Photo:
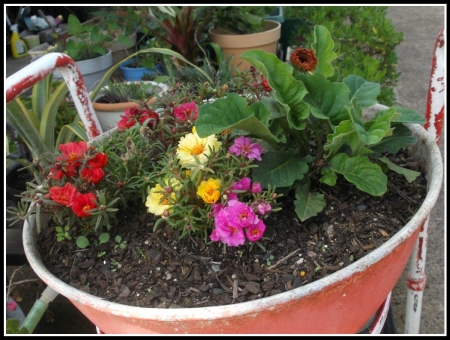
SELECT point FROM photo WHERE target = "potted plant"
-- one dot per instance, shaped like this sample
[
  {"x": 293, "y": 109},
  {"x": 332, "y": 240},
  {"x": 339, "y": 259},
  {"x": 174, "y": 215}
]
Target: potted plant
[
  {"x": 86, "y": 47},
  {"x": 179, "y": 28},
  {"x": 119, "y": 22},
  {"x": 116, "y": 98},
  {"x": 240, "y": 28},
  {"x": 142, "y": 65},
  {"x": 206, "y": 242}
]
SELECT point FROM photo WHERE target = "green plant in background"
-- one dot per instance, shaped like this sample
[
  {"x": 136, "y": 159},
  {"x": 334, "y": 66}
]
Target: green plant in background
[
  {"x": 87, "y": 41},
  {"x": 179, "y": 28},
  {"x": 35, "y": 119},
  {"x": 367, "y": 41},
  {"x": 237, "y": 19},
  {"x": 122, "y": 92}
]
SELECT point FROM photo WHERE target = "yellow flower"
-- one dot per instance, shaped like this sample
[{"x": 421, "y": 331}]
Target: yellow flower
[
  {"x": 192, "y": 144},
  {"x": 153, "y": 202},
  {"x": 209, "y": 190}
]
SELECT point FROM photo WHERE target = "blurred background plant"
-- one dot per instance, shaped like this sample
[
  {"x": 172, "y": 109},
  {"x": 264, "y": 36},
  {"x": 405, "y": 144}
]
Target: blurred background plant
[{"x": 365, "y": 41}]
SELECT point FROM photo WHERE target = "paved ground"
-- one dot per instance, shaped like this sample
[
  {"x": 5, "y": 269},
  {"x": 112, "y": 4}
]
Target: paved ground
[{"x": 420, "y": 25}]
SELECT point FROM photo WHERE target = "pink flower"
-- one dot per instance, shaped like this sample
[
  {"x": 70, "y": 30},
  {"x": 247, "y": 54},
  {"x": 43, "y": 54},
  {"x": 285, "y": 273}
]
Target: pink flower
[
  {"x": 11, "y": 305},
  {"x": 186, "y": 111},
  {"x": 261, "y": 207},
  {"x": 254, "y": 232},
  {"x": 243, "y": 184},
  {"x": 244, "y": 146},
  {"x": 256, "y": 188},
  {"x": 228, "y": 234},
  {"x": 215, "y": 236},
  {"x": 240, "y": 215}
]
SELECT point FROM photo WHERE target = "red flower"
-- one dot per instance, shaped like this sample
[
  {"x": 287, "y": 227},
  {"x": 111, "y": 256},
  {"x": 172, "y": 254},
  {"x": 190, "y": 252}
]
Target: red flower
[
  {"x": 134, "y": 114},
  {"x": 93, "y": 175},
  {"x": 153, "y": 116},
  {"x": 99, "y": 160},
  {"x": 73, "y": 151},
  {"x": 186, "y": 111},
  {"x": 63, "y": 195},
  {"x": 82, "y": 203}
]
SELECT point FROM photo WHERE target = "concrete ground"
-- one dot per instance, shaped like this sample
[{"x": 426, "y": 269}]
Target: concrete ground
[{"x": 420, "y": 26}]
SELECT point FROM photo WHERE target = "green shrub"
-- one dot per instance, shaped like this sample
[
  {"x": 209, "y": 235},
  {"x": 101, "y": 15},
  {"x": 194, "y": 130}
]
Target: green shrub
[{"x": 366, "y": 40}]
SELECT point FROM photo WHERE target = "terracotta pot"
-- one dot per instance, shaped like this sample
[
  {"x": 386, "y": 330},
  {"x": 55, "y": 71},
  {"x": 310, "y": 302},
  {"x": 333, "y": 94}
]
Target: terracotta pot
[
  {"x": 236, "y": 44},
  {"x": 341, "y": 303},
  {"x": 110, "y": 114}
]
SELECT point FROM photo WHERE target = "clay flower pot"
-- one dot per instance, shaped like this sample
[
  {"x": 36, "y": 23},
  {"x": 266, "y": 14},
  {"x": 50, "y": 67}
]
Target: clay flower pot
[
  {"x": 236, "y": 44},
  {"x": 110, "y": 114}
]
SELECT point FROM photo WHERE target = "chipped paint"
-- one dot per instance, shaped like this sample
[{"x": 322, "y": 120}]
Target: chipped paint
[
  {"x": 44, "y": 66},
  {"x": 436, "y": 93}
]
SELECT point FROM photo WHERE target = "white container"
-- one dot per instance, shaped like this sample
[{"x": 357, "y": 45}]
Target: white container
[{"x": 92, "y": 70}]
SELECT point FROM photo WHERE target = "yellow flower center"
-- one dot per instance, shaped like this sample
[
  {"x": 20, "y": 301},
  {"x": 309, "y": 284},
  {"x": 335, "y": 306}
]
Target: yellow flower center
[{"x": 197, "y": 150}]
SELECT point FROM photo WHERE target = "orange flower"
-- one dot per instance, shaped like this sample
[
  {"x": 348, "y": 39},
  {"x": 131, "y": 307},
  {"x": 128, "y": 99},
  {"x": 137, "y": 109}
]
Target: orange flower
[{"x": 304, "y": 59}]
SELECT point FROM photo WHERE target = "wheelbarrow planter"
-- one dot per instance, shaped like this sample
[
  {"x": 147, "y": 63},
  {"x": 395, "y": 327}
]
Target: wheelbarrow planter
[{"x": 341, "y": 303}]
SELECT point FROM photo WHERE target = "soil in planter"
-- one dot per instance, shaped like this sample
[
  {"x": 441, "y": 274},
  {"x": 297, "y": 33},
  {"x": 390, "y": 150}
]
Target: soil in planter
[{"x": 157, "y": 269}]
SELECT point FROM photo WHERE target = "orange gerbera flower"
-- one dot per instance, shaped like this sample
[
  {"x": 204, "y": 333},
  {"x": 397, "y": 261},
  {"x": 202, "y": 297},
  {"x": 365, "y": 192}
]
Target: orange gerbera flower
[{"x": 304, "y": 59}]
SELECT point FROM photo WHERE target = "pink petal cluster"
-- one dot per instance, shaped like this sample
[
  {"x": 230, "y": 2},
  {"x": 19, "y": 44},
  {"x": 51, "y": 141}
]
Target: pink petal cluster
[
  {"x": 186, "y": 111},
  {"x": 243, "y": 146},
  {"x": 237, "y": 221}
]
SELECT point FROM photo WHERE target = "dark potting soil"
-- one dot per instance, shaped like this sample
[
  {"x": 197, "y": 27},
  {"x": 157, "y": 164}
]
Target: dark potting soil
[{"x": 157, "y": 269}]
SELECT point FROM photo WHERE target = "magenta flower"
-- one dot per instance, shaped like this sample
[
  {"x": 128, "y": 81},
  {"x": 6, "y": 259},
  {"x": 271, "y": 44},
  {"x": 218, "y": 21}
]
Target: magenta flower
[
  {"x": 215, "y": 236},
  {"x": 243, "y": 184},
  {"x": 254, "y": 232},
  {"x": 186, "y": 111},
  {"x": 244, "y": 146},
  {"x": 227, "y": 233},
  {"x": 256, "y": 188},
  {"x": 240, "y": 215}
]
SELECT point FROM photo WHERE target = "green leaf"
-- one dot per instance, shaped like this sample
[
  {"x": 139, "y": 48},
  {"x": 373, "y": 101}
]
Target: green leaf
[
  {"x": 103, "y": 238},
  {"x": 288, "y": 91},
  {"x": 329, "y": 177},
  {"x": 340, "y": 137},
  {"x": 82, "y": 242},
  {"x": 366, "y": 92},
  {"x": 401, "y": 137},
  {"x": 323, "y": 47},
  {"x": 58, "y": 229},
  {"x": 326, "y": 99},
  {"x": 280, "y": 169},
  {"x": 409, "y": 116},
  {"x": 410, "y": 175},
  {"x": 380, "y": 126},
  {"x": 360, "y": 171},
  {"x": 118, "y": 238},
  {"x": 308, "y": 204},
  {"x": 233, "y": 112}
]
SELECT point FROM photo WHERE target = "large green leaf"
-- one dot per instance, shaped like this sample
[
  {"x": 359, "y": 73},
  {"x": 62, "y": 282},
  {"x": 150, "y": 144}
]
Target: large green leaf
[
  {"x": 359, "y": 170},
  {"x": 233, "y": 112},
  {"x": 280, "y": 169},
  {"x": 409, "y": 116},
  {"x": 366, "y": 92},
  {"x": 288, "y": 91},
  {"x": 326, "y": 99},
  {"x": 323, "y": 47},
  {"x": 401, "y": 137}
]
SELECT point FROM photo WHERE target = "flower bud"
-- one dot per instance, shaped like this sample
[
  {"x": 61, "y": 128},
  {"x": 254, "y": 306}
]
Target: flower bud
[
  {"x": 166, "y": 213},
  {"x": 274, "y": 195}
]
